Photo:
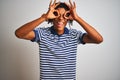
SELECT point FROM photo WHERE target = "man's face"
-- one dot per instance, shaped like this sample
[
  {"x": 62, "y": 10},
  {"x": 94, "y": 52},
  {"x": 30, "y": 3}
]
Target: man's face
[{"x": 60, "y": 22}]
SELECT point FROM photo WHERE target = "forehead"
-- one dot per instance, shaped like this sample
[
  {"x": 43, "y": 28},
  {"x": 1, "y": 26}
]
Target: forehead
[{"x": 61, "y": 10}]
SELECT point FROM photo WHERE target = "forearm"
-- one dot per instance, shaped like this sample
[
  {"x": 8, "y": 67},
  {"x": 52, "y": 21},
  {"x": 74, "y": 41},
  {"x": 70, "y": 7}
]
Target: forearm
[
  {"x": 91, "y": 32},
  {"x": 28, "y": 27}
]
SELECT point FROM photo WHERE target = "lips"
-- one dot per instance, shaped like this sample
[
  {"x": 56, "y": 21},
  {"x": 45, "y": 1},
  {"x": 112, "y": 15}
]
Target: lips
[{"x": 60, "y": 23}]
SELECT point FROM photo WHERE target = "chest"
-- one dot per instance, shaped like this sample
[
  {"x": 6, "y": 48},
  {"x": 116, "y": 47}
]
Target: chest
[{"x": 58, "y": 41}]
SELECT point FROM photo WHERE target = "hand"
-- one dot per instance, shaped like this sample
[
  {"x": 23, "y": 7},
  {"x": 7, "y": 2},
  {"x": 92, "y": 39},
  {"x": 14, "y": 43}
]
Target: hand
[
  {"x": 71, "y": 14},
  {"x": 52, "y": 13}
]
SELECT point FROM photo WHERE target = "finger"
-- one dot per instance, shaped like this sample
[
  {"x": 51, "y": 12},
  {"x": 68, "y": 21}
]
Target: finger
[
  {"x": 67, "y": 4},
  {"x": 50, "y": 3},
  {"x": 70, "y": 17},
  {"x": 70, "y": 3},
  {"x": 67, "y": 14},
  {"x": 74, "y": 4},
  {"x": 57, "y": 4},
  {"x": 54, "y": 2},
  {"x": 56, "y": 13}
]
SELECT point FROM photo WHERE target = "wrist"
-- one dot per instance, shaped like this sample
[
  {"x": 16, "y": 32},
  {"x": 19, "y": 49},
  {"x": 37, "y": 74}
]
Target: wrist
[
  {"x": 76, "y": 18},
  {"x": 44, "y": 17}
]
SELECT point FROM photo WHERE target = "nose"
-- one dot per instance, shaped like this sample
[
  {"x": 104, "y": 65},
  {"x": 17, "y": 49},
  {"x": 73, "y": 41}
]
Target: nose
[{"x": 61, "y": 17}]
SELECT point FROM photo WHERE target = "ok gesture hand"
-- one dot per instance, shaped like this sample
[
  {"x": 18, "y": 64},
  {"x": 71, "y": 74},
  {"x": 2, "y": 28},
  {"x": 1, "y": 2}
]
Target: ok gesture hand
[
  {"x": 52, "y": 13},
  {"x": 71, "y": 14}
]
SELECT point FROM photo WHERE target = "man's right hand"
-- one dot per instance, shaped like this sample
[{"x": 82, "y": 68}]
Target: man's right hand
[{"x": 52, "y": 13}]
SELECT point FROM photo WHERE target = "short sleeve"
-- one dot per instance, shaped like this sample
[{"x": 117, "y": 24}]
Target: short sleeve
[
  {"x": 80, "y": 37},
  {"x": 37, "y": 38}
]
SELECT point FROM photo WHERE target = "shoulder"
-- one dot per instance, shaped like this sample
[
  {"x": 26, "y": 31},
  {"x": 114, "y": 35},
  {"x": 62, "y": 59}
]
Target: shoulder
[
  {"x": 74, "y": 31},
  {"x": 43, "y": 28},
  {"x": 44, "y": 31}
]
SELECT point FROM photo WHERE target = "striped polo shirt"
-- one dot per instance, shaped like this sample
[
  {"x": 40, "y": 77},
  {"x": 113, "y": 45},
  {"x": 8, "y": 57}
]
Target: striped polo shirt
[{"x": 57, "y": 53}]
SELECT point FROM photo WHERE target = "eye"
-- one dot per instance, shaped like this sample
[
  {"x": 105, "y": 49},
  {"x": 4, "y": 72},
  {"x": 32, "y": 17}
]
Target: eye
[
  {"x": 55, "y": 13},
  {"x": 67, "y": 15}
]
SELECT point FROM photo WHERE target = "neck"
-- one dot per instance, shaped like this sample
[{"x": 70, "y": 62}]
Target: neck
[{"x": 59, "y": 32}]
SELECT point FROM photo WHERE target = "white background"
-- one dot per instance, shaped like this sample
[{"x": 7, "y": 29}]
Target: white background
[{"x": 19, "y": 59}]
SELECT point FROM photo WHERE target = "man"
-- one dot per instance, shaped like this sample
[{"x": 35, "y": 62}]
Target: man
[{"x": 58, "y": 44}]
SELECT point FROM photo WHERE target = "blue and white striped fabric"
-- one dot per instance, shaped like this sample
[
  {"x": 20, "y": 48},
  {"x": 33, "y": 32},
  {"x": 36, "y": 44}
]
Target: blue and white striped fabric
[{"x": 58, "y": 53}]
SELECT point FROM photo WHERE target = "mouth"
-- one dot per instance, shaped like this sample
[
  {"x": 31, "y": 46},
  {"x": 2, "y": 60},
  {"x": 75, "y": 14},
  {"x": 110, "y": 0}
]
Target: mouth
[{"x": 59, "y": 24}]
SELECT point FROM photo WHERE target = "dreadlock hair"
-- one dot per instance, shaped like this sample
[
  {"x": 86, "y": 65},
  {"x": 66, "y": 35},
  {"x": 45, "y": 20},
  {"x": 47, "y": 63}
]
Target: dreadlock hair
[{"x": 62, "y": 5}]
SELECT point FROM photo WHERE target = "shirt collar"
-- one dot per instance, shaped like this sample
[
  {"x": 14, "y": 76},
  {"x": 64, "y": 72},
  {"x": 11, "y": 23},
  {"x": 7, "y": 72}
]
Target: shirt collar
[{"x": 66, "y": 31}]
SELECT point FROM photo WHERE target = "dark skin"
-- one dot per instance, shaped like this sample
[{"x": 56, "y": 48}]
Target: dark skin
[{"x": 59, "y": 22}]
